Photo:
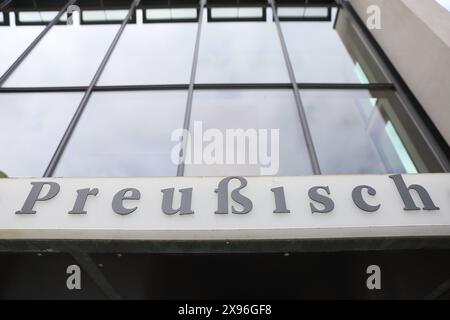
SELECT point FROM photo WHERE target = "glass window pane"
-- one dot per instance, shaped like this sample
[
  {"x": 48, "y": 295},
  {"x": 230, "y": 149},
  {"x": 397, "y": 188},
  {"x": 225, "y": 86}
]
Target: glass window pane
[
  {"x": 241, "y": 52},
  {"x": 291, "y": 12},
  {"x": 2, "y": 18},
  {"x": 15, "y": 39},
  {"x": 316, "y": 12},
  {"x": 158, "y": 14},
  {"x": 32, "y": 127},
  {"x": 155, "y": 15},
  {"x": 116, "y": 15},
  {"x": 159, "y": 53},
  {"x": 250, "y": 12},
  {"x": 321, "y": 53},
  {"x": 259, "y": 113},
  {"x": 104, "y": 15},
  {"x": 125, "y": 134},
  {"x": 39, "y": 16},
  {"x": 66, "y": 56},
  {"x": 188, "y": 13},
  {"x": 94, "y": 15},
  {"x": 224, "y": 12},
  {"x": 363, "y": 132},
  {"x": 236, "y": 13}
]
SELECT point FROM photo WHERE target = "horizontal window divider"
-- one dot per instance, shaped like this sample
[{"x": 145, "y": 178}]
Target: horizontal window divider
[
  {"x": 41, "y": 89},
  {"x": 207, "y": 86},
  {"x": 347, "y": 86},
  {"x": 325, "y": 86}
]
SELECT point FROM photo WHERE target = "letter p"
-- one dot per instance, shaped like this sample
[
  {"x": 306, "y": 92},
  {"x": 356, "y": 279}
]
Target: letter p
[{"x": 35, "y": 195}]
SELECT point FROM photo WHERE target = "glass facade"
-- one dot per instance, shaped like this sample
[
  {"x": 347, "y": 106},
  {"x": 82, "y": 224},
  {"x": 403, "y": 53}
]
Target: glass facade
[
  {"x": 125, "y": 134},
  {"x": 302, "y": 81}
]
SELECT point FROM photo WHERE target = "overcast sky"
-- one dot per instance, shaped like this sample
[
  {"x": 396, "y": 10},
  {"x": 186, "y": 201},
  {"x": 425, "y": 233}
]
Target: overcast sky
[{"x": 445, "y": 3}]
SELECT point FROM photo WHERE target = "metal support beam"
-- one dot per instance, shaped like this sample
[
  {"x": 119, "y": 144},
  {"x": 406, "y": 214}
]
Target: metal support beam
[
  {"x": 27, "y": 51},
  {"x": 187, "y": 114},
  {"x": 442, "y": 289},
  {"x": 73, "y": 123},
  {"x": 300, "y": 108},
  {"x": 89, "y": 266}
]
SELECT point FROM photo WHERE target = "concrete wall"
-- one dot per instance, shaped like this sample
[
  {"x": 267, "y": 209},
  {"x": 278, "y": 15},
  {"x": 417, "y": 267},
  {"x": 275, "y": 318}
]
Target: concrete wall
[{"x": 415, "y": 34}]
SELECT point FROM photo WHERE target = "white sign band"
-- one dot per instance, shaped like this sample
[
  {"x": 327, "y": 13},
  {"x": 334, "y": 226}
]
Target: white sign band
[{"x": 215, "y": 208}]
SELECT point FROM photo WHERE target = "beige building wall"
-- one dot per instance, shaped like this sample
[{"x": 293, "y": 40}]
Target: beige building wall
[{"x": 415, "y": 35}]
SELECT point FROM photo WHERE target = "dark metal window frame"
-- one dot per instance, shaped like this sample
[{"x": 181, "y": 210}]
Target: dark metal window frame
[{"x": 5, "y": 18}]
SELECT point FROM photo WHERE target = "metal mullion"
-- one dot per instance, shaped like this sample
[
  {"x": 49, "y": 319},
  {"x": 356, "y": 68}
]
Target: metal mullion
[
  {"x": 76, "y": 117},
  {"x": 187, "y": 115},
  {"x": 300, "y": 108}
]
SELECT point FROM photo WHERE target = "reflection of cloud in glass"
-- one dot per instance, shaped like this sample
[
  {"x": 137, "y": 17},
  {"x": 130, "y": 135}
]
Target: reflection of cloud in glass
[
  {"x": 159, "y": 53},
  {"x": 32, "y": 126},
  {"x": 14, "y": 40},
  {"x": 241, "y": 52},
  {"x": 125, "y": 134},
  {"x": 252, "y": 109},
  {"x": 66, "y": 56},
  {"x": 349, "y": 133}
]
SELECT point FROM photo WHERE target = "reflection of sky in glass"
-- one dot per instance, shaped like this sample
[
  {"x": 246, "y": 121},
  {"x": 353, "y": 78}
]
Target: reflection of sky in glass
[
  {"x": 125, "y": 134},
  {"x": 400, "y": 148},
  {"x": 318, "y": 53},
  {"x": 444, "y": 3},
  {"x": 32, "y": 126},
  {"x": 240, "y": 52},
  {"x": 252, "y": 109},
  {"x": 66, "y": 56},
  {"x": 351, "y": 135},
  {"x": 14, "y": 41},
  {"x": 159, "y": 53}
]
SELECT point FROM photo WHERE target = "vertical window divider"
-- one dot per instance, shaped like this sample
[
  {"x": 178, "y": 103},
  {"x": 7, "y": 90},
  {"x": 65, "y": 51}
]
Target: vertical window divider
[
  {"x": 298, "y": 101},
  {"x": 33, "y": 44},
  {"x": 187, "y": 115},
  {"x": 76, "y": 117}
]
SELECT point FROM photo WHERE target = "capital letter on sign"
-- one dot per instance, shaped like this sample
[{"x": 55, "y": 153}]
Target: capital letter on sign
[{"x": 34, "y": 194}]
